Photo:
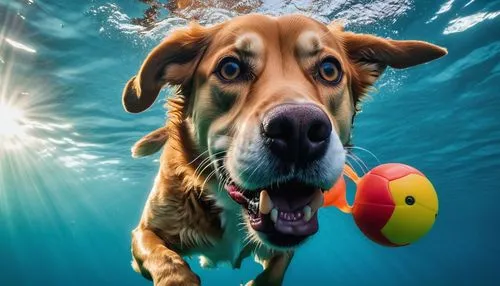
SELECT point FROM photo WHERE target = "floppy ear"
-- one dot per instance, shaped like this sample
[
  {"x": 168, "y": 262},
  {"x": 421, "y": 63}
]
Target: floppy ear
[
  {"x": 371, "y": 55},
  {"x": 150, "y": 143},
  {"x": 173, "y": 61}
]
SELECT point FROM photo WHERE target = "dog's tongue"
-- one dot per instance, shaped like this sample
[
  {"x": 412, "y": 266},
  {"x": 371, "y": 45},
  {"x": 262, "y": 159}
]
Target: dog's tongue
[
  {"x": 291, "y": 209},
  {"x": 298, "y": 228},
  {"x": 291, "y": 202}
]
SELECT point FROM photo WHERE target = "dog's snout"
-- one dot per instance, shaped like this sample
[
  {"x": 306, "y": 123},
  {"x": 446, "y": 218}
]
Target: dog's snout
[{"x": 297, "y": 133}]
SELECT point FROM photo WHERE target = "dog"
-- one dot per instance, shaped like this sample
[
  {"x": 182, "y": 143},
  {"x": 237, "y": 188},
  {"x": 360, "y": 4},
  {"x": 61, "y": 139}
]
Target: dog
[{"x": 256, "y": 132}]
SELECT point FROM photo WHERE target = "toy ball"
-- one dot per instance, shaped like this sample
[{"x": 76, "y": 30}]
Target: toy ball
[{"x": 395, "y": 204}]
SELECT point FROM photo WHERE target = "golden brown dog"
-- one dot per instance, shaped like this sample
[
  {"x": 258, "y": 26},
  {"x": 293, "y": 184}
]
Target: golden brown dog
[{"x": 256, "y": 132}]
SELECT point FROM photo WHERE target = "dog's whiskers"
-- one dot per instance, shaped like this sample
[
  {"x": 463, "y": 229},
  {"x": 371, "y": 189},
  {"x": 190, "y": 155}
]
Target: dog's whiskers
[
  {"x": 197, "y": 157},
  {"x": 206, "y": 179},
  {"x": 362, "y": 149},
  {"x": 226, "y": 180},
  {"x": 361, "y": 166},
  {"x": 210, "y": 174},
  {"x": 349, "y": 164},
  {"x": 360, "y": 161},
  {"x": 224, "y": 177},
  {"x": 255, "y": 169},
  {"x": 214, "y": 172},
  {"x": 204, "y": 164}
]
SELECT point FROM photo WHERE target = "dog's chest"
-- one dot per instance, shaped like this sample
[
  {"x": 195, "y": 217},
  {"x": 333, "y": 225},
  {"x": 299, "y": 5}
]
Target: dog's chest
[{"x": 231, "y": 246}]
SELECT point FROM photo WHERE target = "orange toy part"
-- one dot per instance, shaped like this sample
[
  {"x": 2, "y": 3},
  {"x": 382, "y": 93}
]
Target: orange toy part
[{"x": 336, "y": 196}]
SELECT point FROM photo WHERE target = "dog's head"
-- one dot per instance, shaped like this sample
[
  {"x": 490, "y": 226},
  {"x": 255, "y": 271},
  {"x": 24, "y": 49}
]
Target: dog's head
[{"x": 271, "y": 101}]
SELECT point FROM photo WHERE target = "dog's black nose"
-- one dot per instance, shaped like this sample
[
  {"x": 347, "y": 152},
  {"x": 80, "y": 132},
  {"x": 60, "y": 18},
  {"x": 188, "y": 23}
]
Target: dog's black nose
[{"x": 297, "y": 133}]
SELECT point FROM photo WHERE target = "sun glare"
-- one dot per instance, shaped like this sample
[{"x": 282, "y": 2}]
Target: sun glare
[{"x": 11, "y": 121}]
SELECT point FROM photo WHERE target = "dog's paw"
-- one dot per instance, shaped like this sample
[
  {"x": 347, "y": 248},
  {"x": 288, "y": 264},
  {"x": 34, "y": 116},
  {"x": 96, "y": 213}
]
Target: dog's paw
[
  {"x": 179, "y": 279},
  {"x": 263, "y": 281},
  {"x": 176, "y": 275},
  {"x": 255, "y": 283}
]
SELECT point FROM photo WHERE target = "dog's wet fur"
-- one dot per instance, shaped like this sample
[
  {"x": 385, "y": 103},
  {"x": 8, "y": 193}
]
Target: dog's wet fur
[{"x": 262, "y": 113}]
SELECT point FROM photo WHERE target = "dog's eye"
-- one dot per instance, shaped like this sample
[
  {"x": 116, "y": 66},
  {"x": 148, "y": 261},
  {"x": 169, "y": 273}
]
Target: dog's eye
[
  {"x": 229, "y": 69},
  {"x": 329, "y": 70}
]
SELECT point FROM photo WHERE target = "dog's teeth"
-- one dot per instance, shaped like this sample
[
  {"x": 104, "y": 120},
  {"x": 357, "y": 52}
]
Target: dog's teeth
[
  {"x": 253, "y": 205},
  {"x": 317, "y": 201},
  {"x": 274, "y": 215},
  {"x": 307, "y": 213},
  {"x": 265, "y": 203}
]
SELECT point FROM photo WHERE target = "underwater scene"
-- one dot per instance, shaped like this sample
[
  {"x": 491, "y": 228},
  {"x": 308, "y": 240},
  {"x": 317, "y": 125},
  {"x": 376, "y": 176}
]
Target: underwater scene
[{"x": 71, "y": 193}]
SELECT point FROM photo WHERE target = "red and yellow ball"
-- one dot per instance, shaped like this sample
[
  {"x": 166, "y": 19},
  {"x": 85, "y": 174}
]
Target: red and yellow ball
[{"x": 395, "y": 204}]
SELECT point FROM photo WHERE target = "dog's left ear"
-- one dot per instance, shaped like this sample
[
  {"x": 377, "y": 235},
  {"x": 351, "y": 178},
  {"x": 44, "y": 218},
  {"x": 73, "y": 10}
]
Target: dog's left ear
[
  {"x": 371, "y": 55},
  {"x": 173, "y": 61},
  {"x": 151, "y": 143}
]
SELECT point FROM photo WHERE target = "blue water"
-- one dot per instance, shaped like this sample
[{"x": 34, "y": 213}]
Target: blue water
[{"x": 70, "y": 193}]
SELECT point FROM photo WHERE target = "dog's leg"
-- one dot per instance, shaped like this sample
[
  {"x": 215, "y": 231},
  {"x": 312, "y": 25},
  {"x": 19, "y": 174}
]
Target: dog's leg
[
  {"x": 274, "y": 270},
  {"x": 155, "y": 261}
]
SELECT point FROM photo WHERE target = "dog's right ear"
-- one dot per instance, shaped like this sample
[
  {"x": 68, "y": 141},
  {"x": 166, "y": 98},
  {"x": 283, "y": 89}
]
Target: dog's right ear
[
  {"x": 150, "y": 143},
  {"x": 173, "y": 61}
]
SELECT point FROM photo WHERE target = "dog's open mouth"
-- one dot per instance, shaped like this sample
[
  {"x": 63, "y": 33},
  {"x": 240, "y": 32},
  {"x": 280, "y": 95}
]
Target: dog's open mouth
[{"x": 286, "y": 213}]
